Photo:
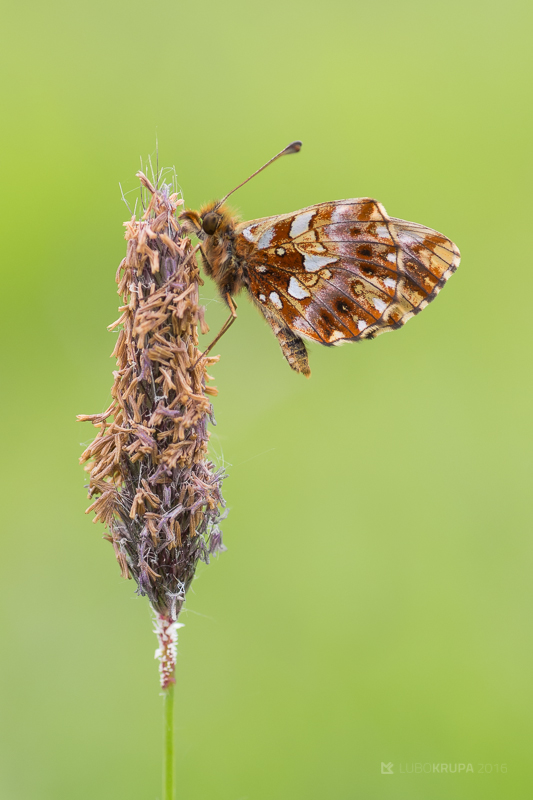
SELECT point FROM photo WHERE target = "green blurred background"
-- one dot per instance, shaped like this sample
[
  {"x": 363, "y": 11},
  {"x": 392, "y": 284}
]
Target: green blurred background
[{"x": 374, "y": 603}]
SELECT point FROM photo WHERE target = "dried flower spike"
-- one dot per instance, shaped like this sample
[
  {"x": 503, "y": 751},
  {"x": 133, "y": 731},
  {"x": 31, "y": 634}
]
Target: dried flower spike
[{"x": 153, "y": 484}]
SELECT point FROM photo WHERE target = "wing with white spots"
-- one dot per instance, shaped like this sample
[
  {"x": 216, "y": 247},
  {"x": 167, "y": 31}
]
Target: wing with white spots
[{"x": 343, "y": 271}]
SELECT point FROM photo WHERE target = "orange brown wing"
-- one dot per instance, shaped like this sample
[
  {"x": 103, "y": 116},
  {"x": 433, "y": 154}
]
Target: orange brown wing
[{"x": 345, "y": 270}]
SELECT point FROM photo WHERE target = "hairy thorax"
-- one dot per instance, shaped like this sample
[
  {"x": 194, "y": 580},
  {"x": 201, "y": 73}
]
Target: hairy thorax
[{"x": 218, "y": 254}]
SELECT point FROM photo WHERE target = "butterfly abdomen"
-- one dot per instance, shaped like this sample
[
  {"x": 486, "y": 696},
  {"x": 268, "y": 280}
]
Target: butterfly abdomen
[
  {"x": 294, "y": 351},
  {"x": 292, "y": 346}
]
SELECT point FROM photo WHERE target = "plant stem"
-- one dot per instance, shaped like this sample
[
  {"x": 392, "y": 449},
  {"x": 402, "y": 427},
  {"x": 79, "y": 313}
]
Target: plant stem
[
  {"x": 167, "y": 636},
  {"x": 168, "y": 744}
]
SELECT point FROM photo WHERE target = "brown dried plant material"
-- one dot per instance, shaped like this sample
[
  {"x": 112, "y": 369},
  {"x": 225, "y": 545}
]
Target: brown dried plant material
[{"x": 153, "y": 484}]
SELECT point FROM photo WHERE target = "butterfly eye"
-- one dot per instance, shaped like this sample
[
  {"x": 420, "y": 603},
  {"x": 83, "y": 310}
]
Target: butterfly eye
[{"x": 210, "y": 223}]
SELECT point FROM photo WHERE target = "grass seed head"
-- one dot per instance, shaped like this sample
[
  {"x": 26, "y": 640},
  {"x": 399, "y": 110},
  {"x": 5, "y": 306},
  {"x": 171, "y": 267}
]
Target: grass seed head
[{"x": 151, "y": 480}]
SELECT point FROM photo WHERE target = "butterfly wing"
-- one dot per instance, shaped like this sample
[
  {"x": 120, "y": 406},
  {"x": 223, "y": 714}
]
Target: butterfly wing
[{"x": 345, "y": 270}]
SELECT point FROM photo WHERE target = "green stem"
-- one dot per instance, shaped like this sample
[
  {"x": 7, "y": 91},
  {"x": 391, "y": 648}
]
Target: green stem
[{"x": 168, "y": 744}]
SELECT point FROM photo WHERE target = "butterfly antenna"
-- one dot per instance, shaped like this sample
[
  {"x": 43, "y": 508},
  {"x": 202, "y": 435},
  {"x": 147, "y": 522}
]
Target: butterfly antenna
[{"x": 293, "y": 147}]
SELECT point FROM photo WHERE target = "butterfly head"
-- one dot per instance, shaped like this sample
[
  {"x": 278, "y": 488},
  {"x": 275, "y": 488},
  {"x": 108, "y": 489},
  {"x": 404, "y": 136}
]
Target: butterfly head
[
  {"x": 213, "y": 220},
  {"x": 210, "y": 222}
]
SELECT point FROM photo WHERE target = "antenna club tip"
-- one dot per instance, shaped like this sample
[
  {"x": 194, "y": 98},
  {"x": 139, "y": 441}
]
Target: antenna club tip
[{"x": 293, "y": 147}]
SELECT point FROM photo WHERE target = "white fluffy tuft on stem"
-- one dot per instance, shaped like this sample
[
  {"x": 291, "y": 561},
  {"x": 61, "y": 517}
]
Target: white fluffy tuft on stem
[{"x": 167, "y": 636}]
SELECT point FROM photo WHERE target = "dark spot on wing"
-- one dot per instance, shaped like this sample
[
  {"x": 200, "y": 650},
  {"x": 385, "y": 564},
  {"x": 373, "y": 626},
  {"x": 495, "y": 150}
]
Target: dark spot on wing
[{"x": 342, "y": 306}]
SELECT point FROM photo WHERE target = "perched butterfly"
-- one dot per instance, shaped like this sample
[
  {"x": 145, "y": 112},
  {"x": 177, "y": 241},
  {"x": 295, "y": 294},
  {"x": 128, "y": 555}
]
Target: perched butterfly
[{"x": 331, "y": 273}]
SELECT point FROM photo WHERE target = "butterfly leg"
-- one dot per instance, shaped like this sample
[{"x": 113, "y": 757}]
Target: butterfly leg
[{"x": 227, "y": 325}]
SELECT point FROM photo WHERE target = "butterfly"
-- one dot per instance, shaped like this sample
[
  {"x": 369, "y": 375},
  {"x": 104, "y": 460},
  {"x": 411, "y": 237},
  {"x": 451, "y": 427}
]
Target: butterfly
[{"x": 335, "y": 272}]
